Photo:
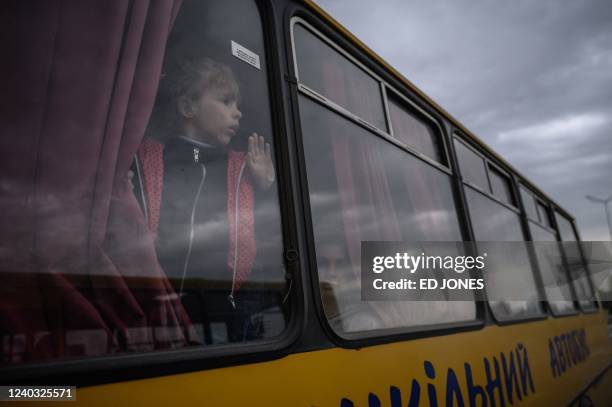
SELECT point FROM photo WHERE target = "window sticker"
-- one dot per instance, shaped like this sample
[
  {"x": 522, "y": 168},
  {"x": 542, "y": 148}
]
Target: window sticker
[{"x": 245, "y": 55}]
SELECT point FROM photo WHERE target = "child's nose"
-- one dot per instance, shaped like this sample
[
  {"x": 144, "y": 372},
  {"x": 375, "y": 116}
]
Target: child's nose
[{"x": 237, "y": 113}]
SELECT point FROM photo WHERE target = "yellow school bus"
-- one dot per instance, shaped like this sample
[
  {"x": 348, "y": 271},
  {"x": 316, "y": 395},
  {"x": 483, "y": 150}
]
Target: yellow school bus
[{"x": 185, "y": 188}]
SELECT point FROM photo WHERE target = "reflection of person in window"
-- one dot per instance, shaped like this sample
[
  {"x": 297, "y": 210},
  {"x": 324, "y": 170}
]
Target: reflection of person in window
[{"x": 206, "y": 222}]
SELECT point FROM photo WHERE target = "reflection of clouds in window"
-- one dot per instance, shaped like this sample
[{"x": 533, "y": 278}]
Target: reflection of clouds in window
[
  {"x": 510, "y": 277},
  {"x": 428, "y": 221},
  {"x": 363, "y": 188},
  {"x": 552, "y": 268}
]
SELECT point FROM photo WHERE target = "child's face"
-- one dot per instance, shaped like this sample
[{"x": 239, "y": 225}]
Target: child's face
[{"x": 216, "y": 115}]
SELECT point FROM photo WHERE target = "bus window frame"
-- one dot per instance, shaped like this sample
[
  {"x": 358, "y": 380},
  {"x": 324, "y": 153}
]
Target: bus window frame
[
  {"x": 460, "y": 139},
  {"x": 301, "y": 15},
  {"x": 349, "y": 58},
  {"x": 422, "y": 116},
  {"x": 544, "y": 307},
  {"x": 114, "y": 368},
  {"x": 383, "y": 85},
  {"x": 574, "y": 300},
  {"x": 557, "y": 211},
  {"x": 493, "y": 167},
  {"x": 539, "y": 200}
]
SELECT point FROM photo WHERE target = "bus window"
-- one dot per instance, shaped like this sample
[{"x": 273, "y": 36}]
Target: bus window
[
  {"x": 578, "y": 272},
  {"x": 411, "y": 130},
  {"x": 328, "y": 72},
  {"x": 543, "y": 214},
  {"x": 218, "y": 234},
  {"x": 139, "y": 235},
  {"x": 552, "y": 269},
  {"x": 364, "y": 188},
  {"x": 472, "y": 166},
  {"x": 500, "y": 184},
  {"x": 494, "y": 222},
  {"x": 529, "y": 203}
]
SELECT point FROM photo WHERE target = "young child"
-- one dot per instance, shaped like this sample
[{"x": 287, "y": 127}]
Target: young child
[{"x": 206, "y": 227}]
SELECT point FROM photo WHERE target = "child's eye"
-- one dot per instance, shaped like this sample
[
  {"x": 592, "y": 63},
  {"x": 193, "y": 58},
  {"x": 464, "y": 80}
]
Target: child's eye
[{"x": 229, "y": 100}]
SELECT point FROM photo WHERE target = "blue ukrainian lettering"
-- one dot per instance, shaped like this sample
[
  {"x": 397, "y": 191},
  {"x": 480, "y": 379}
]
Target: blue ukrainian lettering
[
  {"x": 453, "y": 391},
  {"x": 346, "y": 403},
  {"x": 479, "y": 395},
  {"x": 567, "y": 350},
  {"x": 554, "y": 361},
  {"x": 373, "y": 400},
  {"x": 560, "y": 355},
  {"x": 523, "y": 367},
  {"x": 431, "y": 389},
  {"x": 396, "y": 396},
  {"x": 474, "y": 391},
  {"x": 510, "y": 378},
  {"x": 493, "y": 384},
  {"x": 415, "y": 394},
  {"x": 572, "y": 349}
]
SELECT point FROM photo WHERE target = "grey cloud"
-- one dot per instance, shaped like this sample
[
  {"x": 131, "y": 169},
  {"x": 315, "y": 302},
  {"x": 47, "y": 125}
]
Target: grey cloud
[{"x": 532, "y": 79}]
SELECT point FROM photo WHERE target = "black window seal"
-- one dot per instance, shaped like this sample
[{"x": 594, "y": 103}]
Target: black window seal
[{"x": 424, "y": 331}]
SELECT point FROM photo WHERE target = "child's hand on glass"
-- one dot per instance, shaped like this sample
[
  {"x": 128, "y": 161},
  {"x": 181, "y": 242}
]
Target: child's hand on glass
[{"x": 259, "y": 161}]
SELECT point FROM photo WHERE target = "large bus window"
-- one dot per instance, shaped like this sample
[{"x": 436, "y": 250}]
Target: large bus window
[
  {"x": 552, "y": 269},
  {"x": 472, "y": 166},
  {"x": 331, "y": 74},
  {"x": 146, "y": 234},
  {"x": 578, "y": 271},
  {"x": 494, "y": 222},
  {"x": 411, "y": 130},
  {"x": 364, "y": 188}
]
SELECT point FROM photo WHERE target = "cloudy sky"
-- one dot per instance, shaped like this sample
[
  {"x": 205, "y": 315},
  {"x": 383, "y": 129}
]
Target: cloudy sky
[{"x": 533, "y": 79}]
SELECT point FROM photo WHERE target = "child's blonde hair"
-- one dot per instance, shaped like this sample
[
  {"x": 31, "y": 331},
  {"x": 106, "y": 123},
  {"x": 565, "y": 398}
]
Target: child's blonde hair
[
  {"x": 187, "y": 79},
  {"x": 193, "y": 78}
]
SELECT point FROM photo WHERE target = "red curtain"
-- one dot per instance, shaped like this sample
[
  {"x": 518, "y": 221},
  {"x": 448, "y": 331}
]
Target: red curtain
[{"x": 79, "y": 270}]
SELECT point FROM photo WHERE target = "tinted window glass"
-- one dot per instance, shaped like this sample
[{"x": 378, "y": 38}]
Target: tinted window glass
[
  {"x": 364, "y": 188},
  {"x": 325, "y": 70},
  {"x": 529, "y": 203},
  {"x": 496, "y": 223},
  {"x": 544, "y": 214},
  {"x": 553, "y": 271},
  {"x": 219, "y": 236},
  {"x": 413, "y": 131},
  {"x": 178, "y": 247},
  {"x": 578, "y": 272},
  {"x": 472, "y": 166},
  {"x": 501, "y": 186}
]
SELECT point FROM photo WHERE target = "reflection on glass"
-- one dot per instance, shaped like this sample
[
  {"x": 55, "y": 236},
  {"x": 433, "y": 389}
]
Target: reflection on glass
[
  {"x": 325, "y": 70},
  {"x": 496, "y": 223},
  {"x": 578, "y": 272},
  {"x": 529, "y": 203},
  {"x": 413, "y": 131},
  {"x": 552, "y": 270},
  {"x": 364, "y": 188},
  {"x": 127, "y": 258},
  {"x": 544, "y": 214},
  {"x": 501, "y": 186},
  {"x": 472, "y": 166}
]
